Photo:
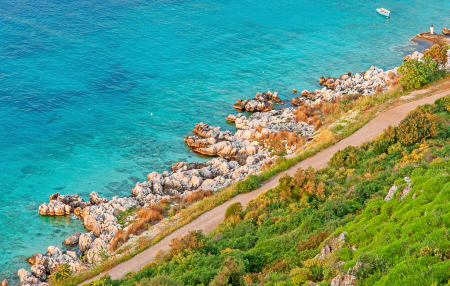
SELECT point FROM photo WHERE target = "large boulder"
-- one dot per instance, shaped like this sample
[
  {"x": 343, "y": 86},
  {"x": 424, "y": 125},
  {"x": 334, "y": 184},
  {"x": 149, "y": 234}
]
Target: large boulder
[
  {"x": 95, "y": 199},
  {"x": 73, "y": 239},
  {"x": 27, "y": 278},
  {"x": 445, "y": 31},
  {"x": 85, "y": 241}
]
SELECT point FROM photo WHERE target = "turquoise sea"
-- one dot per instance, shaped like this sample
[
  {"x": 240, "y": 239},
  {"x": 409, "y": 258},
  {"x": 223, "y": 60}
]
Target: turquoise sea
[{"x": 184, "y": 61}]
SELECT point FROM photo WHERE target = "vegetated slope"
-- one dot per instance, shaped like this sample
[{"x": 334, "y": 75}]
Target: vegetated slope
[{"x": 276, "y": 239}]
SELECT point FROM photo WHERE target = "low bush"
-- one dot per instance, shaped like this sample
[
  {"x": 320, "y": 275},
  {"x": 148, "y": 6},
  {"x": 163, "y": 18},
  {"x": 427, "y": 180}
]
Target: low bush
[
  {"x": 159, "y": 280},
  {"x": 248, "y": 185},
  {"x": 233, "y": 210},
  {"x": 231, "y": 274},
  {"x": 192, "y": 240},
  {"x": 62, "y": 273}
]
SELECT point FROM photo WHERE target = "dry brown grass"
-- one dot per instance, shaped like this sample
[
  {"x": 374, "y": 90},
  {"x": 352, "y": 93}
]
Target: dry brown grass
[
  {"x": 317, "y": 105},
  {"x": 301, "y": 116},
  {"x": 391, "y": 75},
  {"x": 198, "y": 195},
  {"x": 326, "y": 135},
  {"x": 120, "y": 237},
  {"x": 317, "y": 125},
  {"x": 263, "y": 137},
  {"x": 292, "y": 139},
  {"x": 329, "y": 107},
  {"x": 378, "y": 89},
  {"x": 259, "y": 128},
  {"x": 163, "y": 201}
]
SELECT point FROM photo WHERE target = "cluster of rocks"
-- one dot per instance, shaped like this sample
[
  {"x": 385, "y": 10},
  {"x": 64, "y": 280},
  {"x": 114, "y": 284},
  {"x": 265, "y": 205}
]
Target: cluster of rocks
[
  {"x": 348, "y": 278},
  {"x": 212, "y": 141},
  {"x": 46, "y": 264},
  {"x": 414, "y": 56},
  {"x": 261, "y": 102},
  {"x": 366, "y": 83},
  {"x": 99, "y": 218},
  {"x": 445, "y": 31},
  {"x": 269, "y": 122},
  {"x": 212, "y": 175}
]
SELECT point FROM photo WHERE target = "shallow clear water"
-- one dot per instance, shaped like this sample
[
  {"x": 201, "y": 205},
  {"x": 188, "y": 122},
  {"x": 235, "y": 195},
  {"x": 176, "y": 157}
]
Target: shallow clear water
[{"x": 183, "y": 61}]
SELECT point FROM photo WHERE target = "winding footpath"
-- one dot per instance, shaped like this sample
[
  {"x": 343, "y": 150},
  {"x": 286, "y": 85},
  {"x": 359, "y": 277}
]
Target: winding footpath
[{"x": 209, "y": 220}]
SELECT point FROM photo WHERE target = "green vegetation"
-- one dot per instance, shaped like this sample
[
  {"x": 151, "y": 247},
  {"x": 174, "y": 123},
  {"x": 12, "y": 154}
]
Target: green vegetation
[
  {"x": 418, "y": 73},
  {"x": 61, "y": 274},
  {"x": 121, "y": 218},
  {"x": 233, "y": 210},
  {"x": 366, "y": 109},
  {"x": 275, "y": 240}
]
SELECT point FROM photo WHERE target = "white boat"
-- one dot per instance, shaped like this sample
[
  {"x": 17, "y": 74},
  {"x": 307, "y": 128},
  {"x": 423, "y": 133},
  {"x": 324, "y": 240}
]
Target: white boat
[{"x": 383, "y": 12}]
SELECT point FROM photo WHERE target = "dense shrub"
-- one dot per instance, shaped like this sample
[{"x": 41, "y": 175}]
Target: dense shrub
[
  {"x": 193, "y": 240},
  {"x": 416, "y": 127},
  {"x": 160, "y": 280},
  {"x": 231, "y": 274},
  {"x": 248, "y": 185},
  {"x": 443, "y": 103},
  {"x": 314, "y": 241},
  {"x": 347, "y": 157},
  {"x": 233, "y": 210},
  {"x": 370, "y": 264},
  {"x": 197, "y": 195},
  {"x": 416, "y": 73}
]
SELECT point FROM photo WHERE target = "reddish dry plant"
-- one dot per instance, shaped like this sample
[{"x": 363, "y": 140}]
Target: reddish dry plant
[
  {"x": 163, "y": 201},
  {"x": 330, "y": 107},
  {"x": 317, "y": 125},
  {"x": 317, "y": 105},
  {"x": 120, "y": 237},
  {"x": 301, "y": 116},
  {"x": 391, "y": 75},
  {"x": 198, "y": 195},
  {"x": 263, "y": 137},
  {"x": 259, "y": 128},
  {"x": 292, "y": 139},
  {"x": 378, "y": 89}
]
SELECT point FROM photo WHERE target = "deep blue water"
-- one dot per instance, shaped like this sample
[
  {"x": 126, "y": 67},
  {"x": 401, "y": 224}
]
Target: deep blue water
[{"x": 183, "y": 61}]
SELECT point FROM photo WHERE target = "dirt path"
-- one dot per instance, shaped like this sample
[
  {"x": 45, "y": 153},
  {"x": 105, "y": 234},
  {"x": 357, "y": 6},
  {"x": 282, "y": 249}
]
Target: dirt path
[{"x": 212, "y": 218}]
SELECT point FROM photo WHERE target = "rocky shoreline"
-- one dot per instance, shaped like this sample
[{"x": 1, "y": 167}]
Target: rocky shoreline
[{"x": 237, "y": 154}]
